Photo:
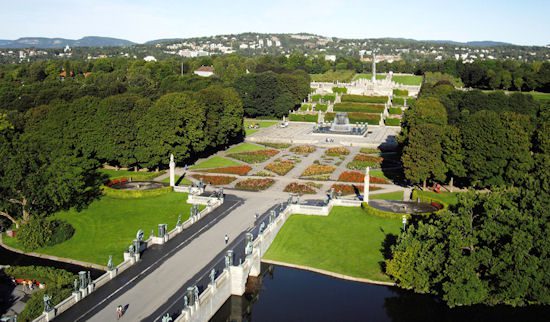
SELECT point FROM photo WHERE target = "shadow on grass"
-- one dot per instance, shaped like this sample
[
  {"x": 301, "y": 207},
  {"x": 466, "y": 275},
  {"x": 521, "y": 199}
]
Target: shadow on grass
[{"x": 387, "y": 243}]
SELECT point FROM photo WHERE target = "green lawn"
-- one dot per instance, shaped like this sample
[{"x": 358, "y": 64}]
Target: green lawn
[
  {"x": 136, "y": 176},
  {"x": 182, "y": 182},
  {"x": 369, "y": 76},
  {"x": 543, "y": 97},
  {"x": 348, "y": 241},
  {"x": 332, "y": 76},
  {"x": 108, "y": 226},
  {"x": 449, "y": 198},
  {"x": 245, "y": 147},
  {"x": 397, "y": 195},
  {"x": 378, "y": 174},
  {"x": 261, "y": 124},
  {"x": 407, "y": 79},
  {"x": 215, "y": 162}
]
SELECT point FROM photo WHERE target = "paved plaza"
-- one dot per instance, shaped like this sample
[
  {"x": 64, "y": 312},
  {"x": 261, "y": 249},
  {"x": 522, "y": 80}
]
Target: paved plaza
[{"x": 302, "y": 133}]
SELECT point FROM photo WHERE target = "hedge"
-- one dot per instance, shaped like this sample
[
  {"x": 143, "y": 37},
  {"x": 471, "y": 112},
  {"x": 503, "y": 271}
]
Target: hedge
[
  {"x": 339, "y": 90},
  {"x": 132, "y": 194},
  {"x": 303, "y": 118},
  {"x": 364, "y": 99},
  {"x": 321, "y": 107},
  {"x": 326, "y": 97},
  {"x": 395, "y": 110},
  {"x": 400, "y": 92},
  {"x": 399, "y": 101},
  {"x": 356, "y": 117},
  {"x": 392, "y": 122},
  {"x": 383, "y": 214},
  {"x": 46, "y": 275},
  {"x": 305, "y": 107},
  {"x": 358, "y": 107}
]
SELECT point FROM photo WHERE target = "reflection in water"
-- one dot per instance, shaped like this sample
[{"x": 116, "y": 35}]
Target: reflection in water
[{"x": 286, "y": 294}]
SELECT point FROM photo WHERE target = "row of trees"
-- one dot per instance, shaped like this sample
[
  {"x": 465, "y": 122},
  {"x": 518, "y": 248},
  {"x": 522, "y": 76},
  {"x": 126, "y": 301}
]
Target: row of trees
[{"x": 491, "y": 248}]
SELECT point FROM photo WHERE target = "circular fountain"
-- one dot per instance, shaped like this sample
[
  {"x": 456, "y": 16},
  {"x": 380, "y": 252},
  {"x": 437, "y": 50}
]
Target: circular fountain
[
  {"x": 341, "y": 126},
  {"x": 137, "y": 185},
  {"x": 404, "y": 207}
]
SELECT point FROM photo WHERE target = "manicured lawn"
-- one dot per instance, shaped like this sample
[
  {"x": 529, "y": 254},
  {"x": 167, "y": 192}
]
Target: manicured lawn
[
  {"x": 543, "y": 97},
  {"x": 181, "y": 181},
  {"x": 348, "y": 241},
  {"x": 245, "y": 147},
  {"x": 450, "y": 198},
  {"x": 369, "y": 76},
  {"x": 397, "y": 195},
  {"x": 261, "y": 124},
  {"x": 407, "y": 79},
  {"x": 108, "y": 226},
  {"x": 215, "y": 162},
  {"x": 136, "y": 176},
  {"x": 332, "y": 76}
]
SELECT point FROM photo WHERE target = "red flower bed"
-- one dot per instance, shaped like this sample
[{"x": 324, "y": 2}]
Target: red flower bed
[
  {"x": 280, "y": 167},
  {"x": 214, "y": 180},
  {"x": 301, "y": 188},
  {"x": 337, "y": 151},
  {"x": 240, "y": 170},
  {"x": 115, "y": 181},
  {"x": 254, "y": 184},
  {"x": 355, "y": 176}
]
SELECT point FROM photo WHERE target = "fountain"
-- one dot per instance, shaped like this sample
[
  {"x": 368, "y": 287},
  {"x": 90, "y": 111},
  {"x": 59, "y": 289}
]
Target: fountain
[
  {"x": 341, "y": 126},
  {"x": 341, "y": 123}
]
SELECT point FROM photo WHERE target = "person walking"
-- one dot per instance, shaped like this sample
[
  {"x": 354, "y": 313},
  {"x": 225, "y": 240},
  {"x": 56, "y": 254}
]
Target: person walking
[
  {"x": 226, "y": 239},
  {"x": 119, "y": 312}
]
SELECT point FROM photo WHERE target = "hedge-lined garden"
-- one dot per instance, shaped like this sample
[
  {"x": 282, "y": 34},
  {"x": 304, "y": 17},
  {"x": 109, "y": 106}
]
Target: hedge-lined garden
[
  {"x": 303, "y": 117},
  {"x": 358, "y": 107},
  {"x": 365, "y": 99},
  {"x": 356, "y": 117}
]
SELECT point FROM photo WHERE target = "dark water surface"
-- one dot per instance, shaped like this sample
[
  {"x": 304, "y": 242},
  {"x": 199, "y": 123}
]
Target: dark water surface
[{"x": 286, "y": 294}]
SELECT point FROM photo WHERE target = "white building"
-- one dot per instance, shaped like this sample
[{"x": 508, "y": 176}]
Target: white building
[
  {"x": 149, "y": 58},
  {"x": 331, "y": 58},
  {"x": 204, "y": 71}
]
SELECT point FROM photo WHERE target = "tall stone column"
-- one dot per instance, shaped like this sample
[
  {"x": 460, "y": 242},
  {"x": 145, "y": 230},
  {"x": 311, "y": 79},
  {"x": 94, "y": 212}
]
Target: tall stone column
[
  {"x": 172, "y": 171},
  {"x": 373, "y": 67},
  {"x": 366, "y": 187}
]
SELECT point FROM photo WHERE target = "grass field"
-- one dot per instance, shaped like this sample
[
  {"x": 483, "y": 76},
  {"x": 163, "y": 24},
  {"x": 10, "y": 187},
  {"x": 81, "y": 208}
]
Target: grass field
[
  {"x": 245, "y": 147},
  {"x": 332, "y": 76},
  {"x": 369, "y": 76},
  {"x": 261, "y": 124},
  {"x": 543, "y": 97},
  {"x": 397, "y": 195},
  {"x": 179, "y": 181},
  {"x": 136, "y": 176},
  {"x": 108, "y": 226},
  {"x": 449, "y": 198},
  {"x": 408, "y": 79},
  {"x": 348, "y": 241},
  {"x": 215, "y": 162}
]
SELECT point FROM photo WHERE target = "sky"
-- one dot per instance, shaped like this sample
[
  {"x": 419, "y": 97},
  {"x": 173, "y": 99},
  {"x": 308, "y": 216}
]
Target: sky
[{"x": 522, "y": 22}]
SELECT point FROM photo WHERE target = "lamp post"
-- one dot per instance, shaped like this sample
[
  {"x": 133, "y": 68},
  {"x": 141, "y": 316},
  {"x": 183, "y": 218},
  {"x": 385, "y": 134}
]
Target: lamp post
[{"x": 404, "y": 222}]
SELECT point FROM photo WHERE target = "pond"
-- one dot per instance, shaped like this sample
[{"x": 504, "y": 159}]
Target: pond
[{"x": 286, "y": 294}]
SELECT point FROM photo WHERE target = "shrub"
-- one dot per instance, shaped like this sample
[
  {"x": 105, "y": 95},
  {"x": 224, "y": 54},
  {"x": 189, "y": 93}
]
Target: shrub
[
  {"x": 395, "y": 110},
  {"x": 280, "y": 167},
  {"x": 276, "y": 145},
  {"x": 305, "y": 106},
  {"x": 62, "y": 231},
  {"x": 392, "y": 122},
  {"x": 301, "y": 188},
  {"x": 52, "y": 277},
  {"x": 303, "y": 117},
  {"x": 364, "y": 99},
  {"x": 254, "y": 184},
  {"x": 400, "y": 92},
  {"x": 398, "y": 101},
  {"x": 35, "y": 234},
  {"x": 358, "y": 107},
  {"x": 321, "y": 107},
  {"x": 326, "y": 97},
  {"x": 337, "y": 151},
  {"x": 339, "y": 90},
  {"x": 318, "y": 169},
  {"x": 35, "y": 305},
  {"x": 303, "y": 149},
  {"x": 254, "y": 156},
  {"x": 132, "y": 194},
  {"x": 215, "y": 180},
  {"x": 241, "y": 170}
]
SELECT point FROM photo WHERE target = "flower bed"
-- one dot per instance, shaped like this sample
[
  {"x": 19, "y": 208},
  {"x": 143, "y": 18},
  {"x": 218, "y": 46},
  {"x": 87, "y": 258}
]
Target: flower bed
[
  {"x": 301, "y": 188},
  {"x": 303, "y": 149},
  {"x": 214, "y": 180},
  {"x": 254, "y": 184},
  {"x": 361, "y": 161},
  {"x": 349, "y": 189},
  {"x": 333, "y": 152},
  {"x": 280, "y": 167},
  {"x": 240, "y": 170},
  {"x": 355, "y": 176},
  {"x": 318, "y": 169},
  {"x": 370, "y": 150},
  {"x": 254, "y": 156},
  {"x": 275, "y": 145}
]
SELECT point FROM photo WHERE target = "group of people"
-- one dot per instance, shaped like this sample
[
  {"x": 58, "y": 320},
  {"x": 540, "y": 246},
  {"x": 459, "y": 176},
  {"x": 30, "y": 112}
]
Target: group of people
[{"x": 329, "y": 140}]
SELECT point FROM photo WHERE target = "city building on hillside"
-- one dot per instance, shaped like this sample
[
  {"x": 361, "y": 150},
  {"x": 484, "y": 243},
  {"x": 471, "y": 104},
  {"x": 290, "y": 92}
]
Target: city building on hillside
[
  {"x": 149, "y": 58},
  {"x": 205, "y": 71}
]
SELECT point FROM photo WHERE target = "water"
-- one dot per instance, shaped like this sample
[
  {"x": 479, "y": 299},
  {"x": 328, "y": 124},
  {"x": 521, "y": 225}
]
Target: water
[{"x": 286, "y": 294}]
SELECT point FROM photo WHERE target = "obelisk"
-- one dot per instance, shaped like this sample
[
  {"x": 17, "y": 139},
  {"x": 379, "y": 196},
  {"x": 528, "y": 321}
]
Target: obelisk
[
  {"x": 172, "y": 171},
  {"x": 366, "y": 187}
]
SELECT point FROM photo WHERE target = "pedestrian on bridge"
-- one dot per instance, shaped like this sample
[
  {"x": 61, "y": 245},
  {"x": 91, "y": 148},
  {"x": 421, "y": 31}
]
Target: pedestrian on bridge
[{"x": 226, "y": 239}]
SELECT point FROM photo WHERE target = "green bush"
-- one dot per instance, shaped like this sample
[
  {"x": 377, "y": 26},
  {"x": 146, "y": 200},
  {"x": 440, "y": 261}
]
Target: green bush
[
  {"x": 52, "y": 277},
  {"x": 35, "y": 305},
  {"x": 392, "y": 122},
  {"x": 132, "y": 194},
  {"x": 364, "y": 99},
  {"x": 305, "y": 106},
  {"x": 303, "y": 117},
  {"x": 321, "y": 107},
  {"x": 62, "y": 231},
  {"x": 399, "y": 101},
  {"x": 339, "y": 90},
  {"x": 35, "y": 234},
  {"x": 395, "y": 110},
  {"x": 400, "y": 92},
  {"x": 358, "y": 107}
]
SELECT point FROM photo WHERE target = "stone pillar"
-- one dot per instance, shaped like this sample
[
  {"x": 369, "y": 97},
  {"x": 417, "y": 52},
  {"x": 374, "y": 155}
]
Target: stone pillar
[
  {"x": 172, "y": 171},
  {"x": 366, "y": 187},
  {"x": 50, "y": 315},
  {"x": 373, "y": 67}
]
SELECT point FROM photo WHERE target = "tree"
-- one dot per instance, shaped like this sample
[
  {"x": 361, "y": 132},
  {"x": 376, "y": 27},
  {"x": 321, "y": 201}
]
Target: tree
[{"x": 453, "y": 153}]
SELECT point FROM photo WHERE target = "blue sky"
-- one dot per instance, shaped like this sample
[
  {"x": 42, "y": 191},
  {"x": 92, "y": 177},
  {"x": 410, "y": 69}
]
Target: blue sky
[{"x": 523, "y": 22}]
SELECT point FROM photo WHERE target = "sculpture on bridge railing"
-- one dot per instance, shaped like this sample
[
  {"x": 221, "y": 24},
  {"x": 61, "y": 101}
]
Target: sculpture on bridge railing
[
  {"x": 110, "y": 265},
  {"x": 213, "y": 276},
  {"x": 167, "y": 318},
  {"x": 47, "y": 303}
]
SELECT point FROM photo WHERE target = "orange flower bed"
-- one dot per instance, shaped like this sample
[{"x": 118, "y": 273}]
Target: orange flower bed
[
  {"x": 337, "y": 151},
  {"x": 317, "y": 169},
  {"x": 280, "y": 167},
  {"x": 240, "y": 170},
  {"x": 301, "y": 188},
  {"x": 215, "y": 180},
  {"x": 355, "y": 176},
  {"x": 254, "y": 156},
  {"x": 348, "y": 189},
  {"x": 254, "y": 184},
  {"x": 368, "y": 158},
  {"x": 303, "y": 149}
]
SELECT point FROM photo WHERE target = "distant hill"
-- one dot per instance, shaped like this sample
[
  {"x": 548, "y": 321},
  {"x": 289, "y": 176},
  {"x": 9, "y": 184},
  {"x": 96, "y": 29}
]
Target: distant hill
[
  {"x": 483, "y": 43},
  {"x": 41, "y": 42}
]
